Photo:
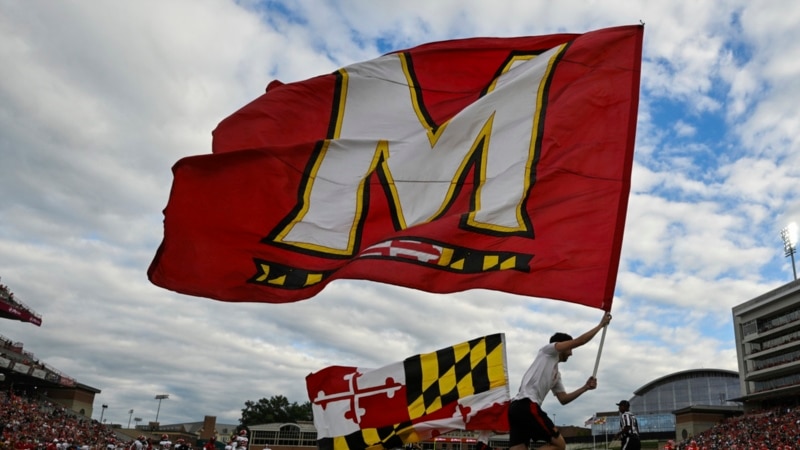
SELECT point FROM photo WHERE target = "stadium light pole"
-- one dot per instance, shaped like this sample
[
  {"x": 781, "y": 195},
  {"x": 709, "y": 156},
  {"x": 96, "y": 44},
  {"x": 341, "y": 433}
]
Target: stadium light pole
[
  {"x": 160, "y": 397},
  {"x": 129, "y": 418},
  {"x": 102, "y": 412},
  {"x": 789, "y": 236}
]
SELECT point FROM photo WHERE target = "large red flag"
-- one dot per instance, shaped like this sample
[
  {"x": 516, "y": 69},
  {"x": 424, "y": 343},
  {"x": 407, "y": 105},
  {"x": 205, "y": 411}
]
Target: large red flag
[{"x": 496, "y": 163}]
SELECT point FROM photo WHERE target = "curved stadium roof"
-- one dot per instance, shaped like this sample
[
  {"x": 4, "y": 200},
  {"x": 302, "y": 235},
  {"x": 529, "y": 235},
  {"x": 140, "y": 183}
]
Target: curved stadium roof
[{"x": 687, "y": 388}]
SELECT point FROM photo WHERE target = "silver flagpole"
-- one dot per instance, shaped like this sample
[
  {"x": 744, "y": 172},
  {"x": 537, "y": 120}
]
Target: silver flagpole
[{"x": 599, "y": 351}]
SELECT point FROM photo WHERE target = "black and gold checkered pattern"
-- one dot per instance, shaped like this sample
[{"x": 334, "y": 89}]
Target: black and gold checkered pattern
[
  {"x": 282, "y": 276},
  {"x": 452, "y": 259},
  {"x": 466, "y": 260},
  {"x": 434, "y": 380},
  {"x": 438, "y": 378},
  {"x": 389, "y": 437}
]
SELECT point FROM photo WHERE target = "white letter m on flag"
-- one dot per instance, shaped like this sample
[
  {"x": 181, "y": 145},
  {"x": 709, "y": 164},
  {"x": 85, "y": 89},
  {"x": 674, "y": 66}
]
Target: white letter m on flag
[{"x": 382, "y": 131}]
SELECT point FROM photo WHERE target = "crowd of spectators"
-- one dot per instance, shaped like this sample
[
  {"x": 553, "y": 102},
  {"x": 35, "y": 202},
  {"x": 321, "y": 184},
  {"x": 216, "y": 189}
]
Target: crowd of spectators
[
  {"x": 28, "y": 424},
  {"x": 777, "y": 429},
  {"x": 6, "y": 294}
]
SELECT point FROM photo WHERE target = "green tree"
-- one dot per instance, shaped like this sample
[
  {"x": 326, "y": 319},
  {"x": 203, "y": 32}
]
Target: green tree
[{"x": 275, "y": 409}]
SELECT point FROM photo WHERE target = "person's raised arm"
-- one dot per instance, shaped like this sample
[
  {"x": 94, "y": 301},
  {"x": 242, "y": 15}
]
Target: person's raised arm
[
  {"x": 585, "y": 337},
  {"x": 567, "y": 397}
]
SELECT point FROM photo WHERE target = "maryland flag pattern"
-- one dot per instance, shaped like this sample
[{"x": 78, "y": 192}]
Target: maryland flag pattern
[
  {"x": 415, "y": 251},
  {"x": 444, "y": 376},
  {"x": 460, "y": 387},
  {"x": 372, "y": 438}
]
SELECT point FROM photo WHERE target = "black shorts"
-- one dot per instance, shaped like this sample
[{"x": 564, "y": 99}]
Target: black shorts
[
  {"x": 631, "y": 443},
  {"x": 528, "y": 422}
]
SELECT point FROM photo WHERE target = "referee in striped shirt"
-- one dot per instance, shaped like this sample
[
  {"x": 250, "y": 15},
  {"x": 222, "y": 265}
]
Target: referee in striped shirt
[{"x": 628, "y": 428}]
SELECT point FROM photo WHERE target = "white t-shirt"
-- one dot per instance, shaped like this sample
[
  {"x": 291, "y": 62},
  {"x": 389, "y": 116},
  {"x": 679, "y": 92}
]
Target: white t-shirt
[
  {"x": 541, "y": 376},
  {"x": 241, "y": 442},
  {"x": 484, "y": 435}
]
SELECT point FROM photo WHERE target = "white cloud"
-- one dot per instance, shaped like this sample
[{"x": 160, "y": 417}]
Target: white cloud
[{"x": 683, "y": 129}]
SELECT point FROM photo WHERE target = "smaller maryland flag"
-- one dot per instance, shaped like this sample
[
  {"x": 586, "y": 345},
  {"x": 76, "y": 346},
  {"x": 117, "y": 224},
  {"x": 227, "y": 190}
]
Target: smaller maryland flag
[{"x": 460, "y": 387}]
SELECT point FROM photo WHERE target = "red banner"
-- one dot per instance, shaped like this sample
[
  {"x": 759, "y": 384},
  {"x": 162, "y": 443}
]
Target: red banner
[
  {"x": 496, "y": 163},
  {"x": 16, "y": 311}
]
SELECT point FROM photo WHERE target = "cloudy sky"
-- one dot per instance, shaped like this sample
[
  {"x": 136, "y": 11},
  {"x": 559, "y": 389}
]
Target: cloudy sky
[{"x": 99, "y": 99}]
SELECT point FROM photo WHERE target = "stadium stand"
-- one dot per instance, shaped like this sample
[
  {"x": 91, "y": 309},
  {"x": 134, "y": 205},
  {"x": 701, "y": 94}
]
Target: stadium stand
[
  {"x": 11, "y": 307},
  {"x": 28, "y": 423},
  {"x": 777, "y": 429}
]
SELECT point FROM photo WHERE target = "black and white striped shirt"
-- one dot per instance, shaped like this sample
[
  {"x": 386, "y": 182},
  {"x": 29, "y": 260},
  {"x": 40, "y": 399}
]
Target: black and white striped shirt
[{"x": 627, "y": 421}]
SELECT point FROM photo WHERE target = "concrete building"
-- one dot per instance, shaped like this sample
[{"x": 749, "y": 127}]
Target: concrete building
[
  {"x": 767, "y": 333},
  {"x": 656, "y": 402}
]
